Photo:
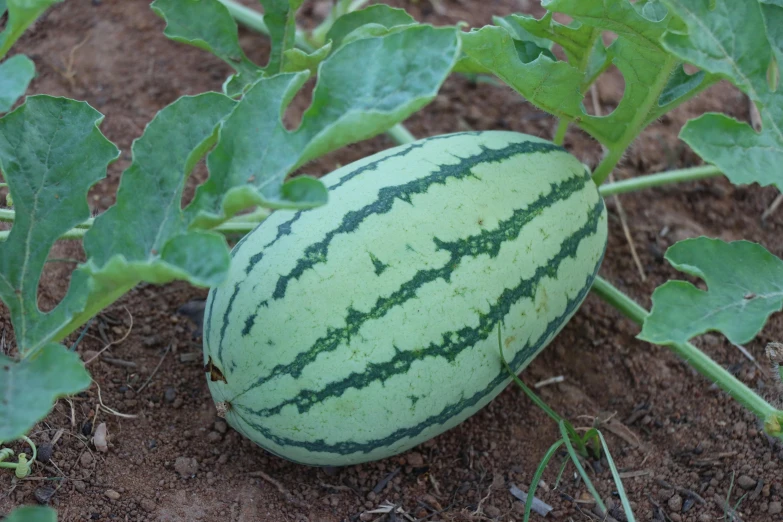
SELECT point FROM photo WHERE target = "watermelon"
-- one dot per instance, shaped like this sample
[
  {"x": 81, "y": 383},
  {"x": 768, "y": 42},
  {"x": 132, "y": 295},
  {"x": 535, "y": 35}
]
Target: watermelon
[{"x": 354, "y": 331}]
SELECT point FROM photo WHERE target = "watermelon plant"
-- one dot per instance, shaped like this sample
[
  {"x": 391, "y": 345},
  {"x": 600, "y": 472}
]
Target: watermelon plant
[{"x": 425, "y": 250}]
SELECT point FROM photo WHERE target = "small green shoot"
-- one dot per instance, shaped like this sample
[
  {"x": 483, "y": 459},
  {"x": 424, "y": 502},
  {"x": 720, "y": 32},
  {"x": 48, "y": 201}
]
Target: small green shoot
[
  {"x": 22, "y": 467},
  {"x": 578, "y": 446}
]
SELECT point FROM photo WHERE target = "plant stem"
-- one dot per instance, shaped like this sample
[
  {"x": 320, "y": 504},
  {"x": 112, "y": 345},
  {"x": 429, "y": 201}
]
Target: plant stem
[
  {"x": 692, "y": 355},
  {"x": 560, "y": 132},
  {"x": 400, "y": 134},
  {"x": 637, "y": 123},
  {"x": 254, "y": 20},
  {"x": 661, "y": 178}
]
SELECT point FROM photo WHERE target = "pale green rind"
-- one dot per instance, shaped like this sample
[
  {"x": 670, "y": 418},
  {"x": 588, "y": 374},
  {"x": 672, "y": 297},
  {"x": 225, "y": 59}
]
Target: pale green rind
[
  {"x": 371, "y": 279},
  {"x": 744, "y": 287},
  {"x": 29, "y": 388},
  {"x": 15, "y": 76}
]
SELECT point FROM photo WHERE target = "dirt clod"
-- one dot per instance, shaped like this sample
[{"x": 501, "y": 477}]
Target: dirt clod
[
  {"x": 86, "y": 460},
  {"x": 775, "y": 508},
  {"x": 186, "y": 466},
  {"x": 675, "y": 503},
  {"x": 111, "y": 494},
  {"x": 415, "y": 459},
  {"x": 147, "y": 505},
  {"x": 170, "y": 395},
  {"x": 746, "y": 483},
  {"x": 44, "y": 453},
  {"x": 79, "y": 486},
  {"x": 44, "y": 494}
]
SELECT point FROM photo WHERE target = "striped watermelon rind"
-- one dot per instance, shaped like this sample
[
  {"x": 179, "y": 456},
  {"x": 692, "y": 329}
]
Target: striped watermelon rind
[{"x": 359, "y": 329}]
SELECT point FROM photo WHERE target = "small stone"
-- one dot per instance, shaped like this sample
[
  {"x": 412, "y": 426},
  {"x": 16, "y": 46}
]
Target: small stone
[
  {"x": 147, "y": 505},
  {"x": 775, "y": 508},
  {"x": 151, "y": 341},
  {"x": 415, "y": 459},
  {"x": 675, "y": 517},
  {"x": 186, "y": 467},
  {"x": 746, "y": 483},
  {"x": 705, "y": 517},
  {"x": 80, "y": 486},
  {"x": 44, "y": 453},
  {"x": 111, "y": 494},
  {"x": 675, "y": 503},
  {"x": 213, "y": 437},
  {"x": 492, "y": 511},
  {"x": 44, "y": 494},
  {"x": 86, "y": 459},
  {"x": 170, "y": 395},
  {"x": 152, "y": 444},
  {"x": 221, "y": 426},
  {"x": 178, "y": 403}
]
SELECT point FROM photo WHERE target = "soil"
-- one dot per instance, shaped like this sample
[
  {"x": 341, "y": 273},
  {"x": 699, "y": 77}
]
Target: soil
[{"x": 685, "y": 448}]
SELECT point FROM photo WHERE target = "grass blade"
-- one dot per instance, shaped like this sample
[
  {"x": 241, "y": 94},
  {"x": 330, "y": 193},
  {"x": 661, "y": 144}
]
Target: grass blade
[{"x": 617, "y": 481}]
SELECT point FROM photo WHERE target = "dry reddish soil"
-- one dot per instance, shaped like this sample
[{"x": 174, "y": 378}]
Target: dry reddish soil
[{"x": 680, "y": 442}]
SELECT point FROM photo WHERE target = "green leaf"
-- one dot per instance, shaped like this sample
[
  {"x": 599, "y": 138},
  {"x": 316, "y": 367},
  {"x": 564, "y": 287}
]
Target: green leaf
[
  {"x": 32, "y": 514},
  {"x": 280, "y": 18},
  {"x": 3, "y": 7},
  {"x": 51, "y": 153},
  {"x": 207, "y": 24},
  {"x": 138, "y": 231},
  {"x": 29, "y": 387},
  {"x": 741, "y": 41},
  {"x": 15, "y": 76},
  {"x": 297, "y": 60},
  {"x": 380, "y": 18},
  {"x": 558, "y": 87},
  {"x": 21, "y": 13},
  {"x": 400, "y": 73},
  {"x": 745, "y": 286}
]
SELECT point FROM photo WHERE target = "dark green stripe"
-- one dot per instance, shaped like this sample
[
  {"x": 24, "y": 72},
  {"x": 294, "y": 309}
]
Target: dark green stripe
[
  {"x": 317, "y": 252},
  {"x": 486, "y": 242},
  {"x": 350, "y": 447},
  {"x": 226, "y": 318},
  {"x": 283, "y": 229}
]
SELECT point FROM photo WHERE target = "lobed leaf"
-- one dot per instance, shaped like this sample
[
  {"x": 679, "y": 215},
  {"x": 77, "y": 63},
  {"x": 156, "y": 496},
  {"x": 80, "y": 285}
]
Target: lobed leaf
[
  {"x": 208, "y": 25},
  {"x": 15, "y": 75},
  {"x": 51, "y": 153},
  {"x": 144, "y": 236},
  {"x": 401, "y": 72},
  {"x": 29, "y": 387},
  {"x": 558, "y": 87},
  {"x": 745, "y": 286},
  {"x": 741, "y": 41},
  {"x": 21, "y": 13},
  {"x": 374, "y": 20}
]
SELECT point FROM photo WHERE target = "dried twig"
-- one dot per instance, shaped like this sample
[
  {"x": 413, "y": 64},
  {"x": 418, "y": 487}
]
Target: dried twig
[
  {"x": 127, "y": 333},
  {"x": 283, "y": 491},
  {"x": 168, "y": 348},
  {"x": 773, "y": 207}
]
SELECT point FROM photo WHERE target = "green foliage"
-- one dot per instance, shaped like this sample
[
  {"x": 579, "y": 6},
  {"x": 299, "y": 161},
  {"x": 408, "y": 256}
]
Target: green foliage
[
  {"x": 741, "y": 41},
  {"x": 29, "y": 387},
  {"x": 654, "y": 79},
  {"x": 744, "y": 287},
  {"x": 375, "y": 20},
  {"x": 21, "y": 13},
  {"x": 15, "y": 76},
  {"x": 32, "y": 514}
]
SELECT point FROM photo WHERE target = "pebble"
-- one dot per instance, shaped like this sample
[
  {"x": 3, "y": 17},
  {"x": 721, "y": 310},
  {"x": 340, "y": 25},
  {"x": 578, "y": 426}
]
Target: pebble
[
  {"x": 44, "y": 453},
  {"x": 113, "y": 495},
  {"x": 213, "y": 437},
  {"x": 170, "y": 395},
  {"x": 705, "y": 517},
  {"x": 80, "y": 486},
  {"x": 492, "y": 511},
  {"x": 86, "y": 459},
  {"x": 675, "y": 503},
  {"x": 178, "y": 403},
  {"x": 746, "y": 483},
  {"x": 775, "y": 508},
  {"x": 221, "y": 426},
  {"x": 147, "y": 505},
  {"x": 44, "y": 494},
  {"x": 415, "y": 459},
  {"x": 186, "y": 467}
]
